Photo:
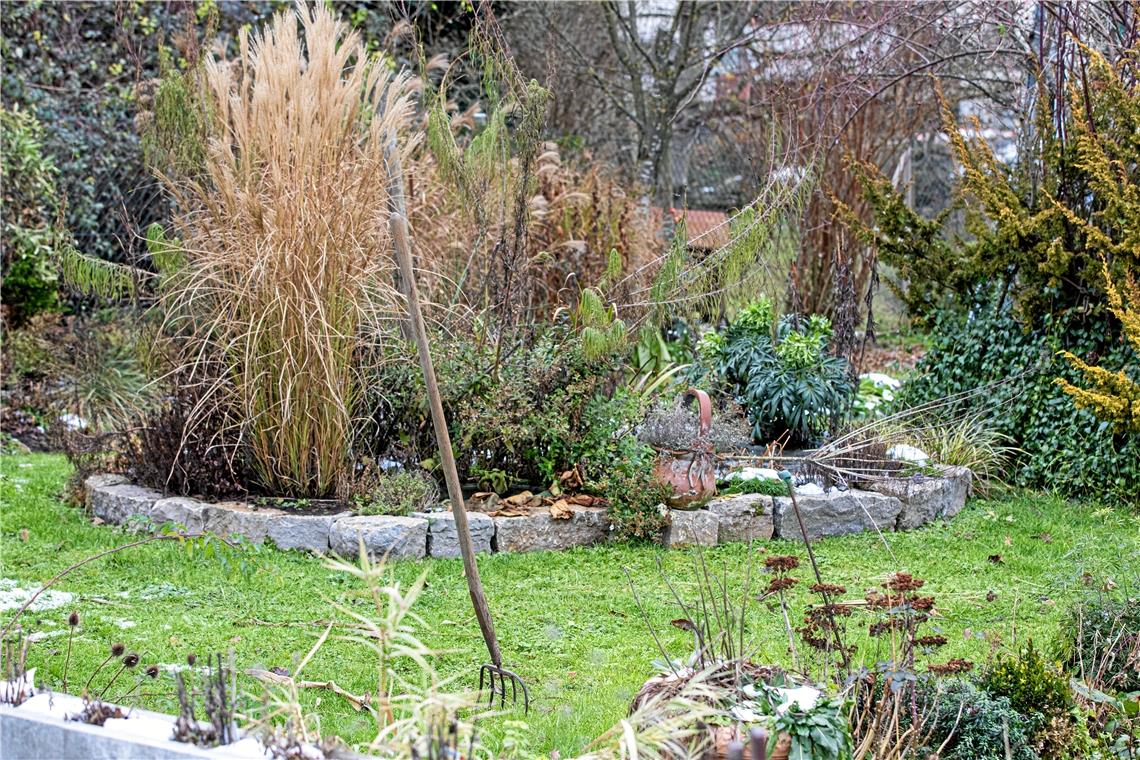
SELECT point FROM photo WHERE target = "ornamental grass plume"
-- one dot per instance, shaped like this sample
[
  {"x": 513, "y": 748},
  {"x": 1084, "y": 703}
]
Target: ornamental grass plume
[{"x": 284, "y": 291}]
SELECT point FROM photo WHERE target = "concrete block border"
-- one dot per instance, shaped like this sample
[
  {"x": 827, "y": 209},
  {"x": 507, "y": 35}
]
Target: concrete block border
[
  {"x": 884, "y": 505},
  {"x": 38, "y": 728}
]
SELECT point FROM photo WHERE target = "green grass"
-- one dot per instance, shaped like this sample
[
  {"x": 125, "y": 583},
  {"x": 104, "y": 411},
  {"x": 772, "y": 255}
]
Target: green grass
[{"x": 567, "y": 622}]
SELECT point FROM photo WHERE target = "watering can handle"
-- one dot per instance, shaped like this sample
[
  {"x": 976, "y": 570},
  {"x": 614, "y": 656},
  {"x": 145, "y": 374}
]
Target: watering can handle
[{"x": 705, "y": 407}]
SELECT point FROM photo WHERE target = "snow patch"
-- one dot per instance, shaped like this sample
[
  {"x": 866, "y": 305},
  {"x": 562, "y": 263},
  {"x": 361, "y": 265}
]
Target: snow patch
[
  {"x": 754, "y": 473},
  {"x": 904, "y": 452},
  {"x": 13, "y": 597}
]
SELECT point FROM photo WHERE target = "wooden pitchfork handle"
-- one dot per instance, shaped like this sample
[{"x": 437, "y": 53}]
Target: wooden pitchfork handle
[{"x": 398, "y": 225}]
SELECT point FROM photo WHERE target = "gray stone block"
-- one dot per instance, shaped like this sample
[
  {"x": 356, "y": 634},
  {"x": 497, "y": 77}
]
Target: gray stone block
[
  {"x": 961, "y": 487},
  {"x": 189, "y": 513},
  {"x": 117, "y": 504},
  {"x": 746, "y": 517},
  {"x": 99, "y": 481},
  {"x": 396, "y": 537},
  {"x": 925, "y": 498},
  {"x": 836, "y": 513},
  {"x": 692, "y": 528},
  {"x": 443, "y": 537},
  {"x": 306, "y": 532},
  {"x": 541, "y": 532},
  {"x": 234, "y": 518}
]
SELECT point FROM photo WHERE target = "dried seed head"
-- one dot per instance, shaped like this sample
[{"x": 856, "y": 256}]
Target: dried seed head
[
  {"x": 117, "y": 650},
  {"x": 152, "y": 671},
  {"x": 782, "y": 563},
  {"x": 903, "y": 582},
  {"x": 780, "y": 584},
  {"x": 191, "y": 659},
  {"x": 131, "y": 660},
  {"x": 924, "y": 603},
  {"x": 73, "y": 619},
  {"x": 953, "y": 667}
]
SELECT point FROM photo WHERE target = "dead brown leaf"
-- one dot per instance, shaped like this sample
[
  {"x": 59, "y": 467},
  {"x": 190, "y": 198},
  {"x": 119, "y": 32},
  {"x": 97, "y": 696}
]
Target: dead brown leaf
[
  {"x": 483, "y": 501},
  {"x": 586, "y": 500},
  {"x": 24, "y": 535},
  {"x": 571, "y": 479},
  {"x": 511, "y": 511},
  {"x": 560, "y": 510},
  {"x": 523, "y": 499},
  {"x": 996, "y": 559}
]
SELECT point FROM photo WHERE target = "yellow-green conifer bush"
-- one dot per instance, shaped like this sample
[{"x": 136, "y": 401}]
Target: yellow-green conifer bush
[{"x": 1112, "y": 396}]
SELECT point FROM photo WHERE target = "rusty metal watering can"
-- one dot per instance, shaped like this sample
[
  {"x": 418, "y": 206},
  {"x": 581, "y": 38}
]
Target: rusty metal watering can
[{"x": 690, "y": 472}]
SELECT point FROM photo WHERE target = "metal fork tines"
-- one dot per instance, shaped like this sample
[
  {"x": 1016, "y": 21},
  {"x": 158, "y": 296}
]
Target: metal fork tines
[{"x": 497, "y": 679}]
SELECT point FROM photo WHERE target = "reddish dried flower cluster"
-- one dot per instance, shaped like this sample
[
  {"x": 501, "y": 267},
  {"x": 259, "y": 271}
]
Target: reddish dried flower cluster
[
  {"x": 808, "y": 634},
  {"x": 903, "y": 582},
  {"x": 781, "y": 584},
  {"x": 820, "y": 626},
  {"x": 828, "y": 588},
  {"x": 876, "y": 600},
  {"x": 931, "y": 641},
  {"x": 953, "y": 667},
  {"x": 782, "y": 564},
  {"x": 924, "y": 603}
]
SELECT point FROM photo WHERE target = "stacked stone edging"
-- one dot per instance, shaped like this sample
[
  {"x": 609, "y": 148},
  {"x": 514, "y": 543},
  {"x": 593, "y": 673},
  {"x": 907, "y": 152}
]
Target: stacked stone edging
[{"x": 886, "y": 505}]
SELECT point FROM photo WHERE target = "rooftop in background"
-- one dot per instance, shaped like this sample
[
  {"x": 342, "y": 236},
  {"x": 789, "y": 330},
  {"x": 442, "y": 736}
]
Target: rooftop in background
[{"x": 708, "y": 230}]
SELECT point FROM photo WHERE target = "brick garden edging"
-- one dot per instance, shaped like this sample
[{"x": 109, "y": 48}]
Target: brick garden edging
[{"x": 889, "y": 504}]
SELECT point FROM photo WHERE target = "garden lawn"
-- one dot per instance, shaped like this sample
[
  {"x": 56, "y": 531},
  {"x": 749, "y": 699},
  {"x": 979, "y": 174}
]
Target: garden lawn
[{"x": 567, "y": 622}]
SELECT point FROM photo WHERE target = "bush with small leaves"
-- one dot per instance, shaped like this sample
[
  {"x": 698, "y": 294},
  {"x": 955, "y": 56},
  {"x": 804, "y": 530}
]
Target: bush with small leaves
[{"x": 968, "y": 723}]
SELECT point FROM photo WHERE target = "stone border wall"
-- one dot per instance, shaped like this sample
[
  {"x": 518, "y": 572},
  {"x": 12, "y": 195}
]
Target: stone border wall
[{"x": 888, "y": 505}]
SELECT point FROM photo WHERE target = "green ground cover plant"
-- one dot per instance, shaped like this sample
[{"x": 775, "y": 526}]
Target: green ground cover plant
[{"x": 1003, "y": 571}]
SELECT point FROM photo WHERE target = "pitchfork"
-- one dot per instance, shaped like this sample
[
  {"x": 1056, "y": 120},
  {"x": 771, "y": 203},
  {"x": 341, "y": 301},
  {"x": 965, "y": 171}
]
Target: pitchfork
[{"x": 494, "y": 673}]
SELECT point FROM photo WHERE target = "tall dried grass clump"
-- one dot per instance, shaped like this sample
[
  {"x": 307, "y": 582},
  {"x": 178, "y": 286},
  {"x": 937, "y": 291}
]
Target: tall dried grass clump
[{"x": 286, "y": 289}]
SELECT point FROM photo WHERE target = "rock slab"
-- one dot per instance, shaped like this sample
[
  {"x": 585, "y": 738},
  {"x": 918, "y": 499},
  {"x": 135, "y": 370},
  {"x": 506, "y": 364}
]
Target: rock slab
[
  {"x": 443, "y": 536},
  {"x": 119, "y": 503},
  {"x": 190, "y": 514},
  {"x": 696, "y": 528},
  {"x": 395, "y": 537},
  {"x": 836, "y": 513},
  {"x": 232, "y": 518},
  {"x": 541, "y": 532},
  {"x": 926, "y": 498},
  {"x": 304, "y": 532},
  {"x": 746, "y": 517}
]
